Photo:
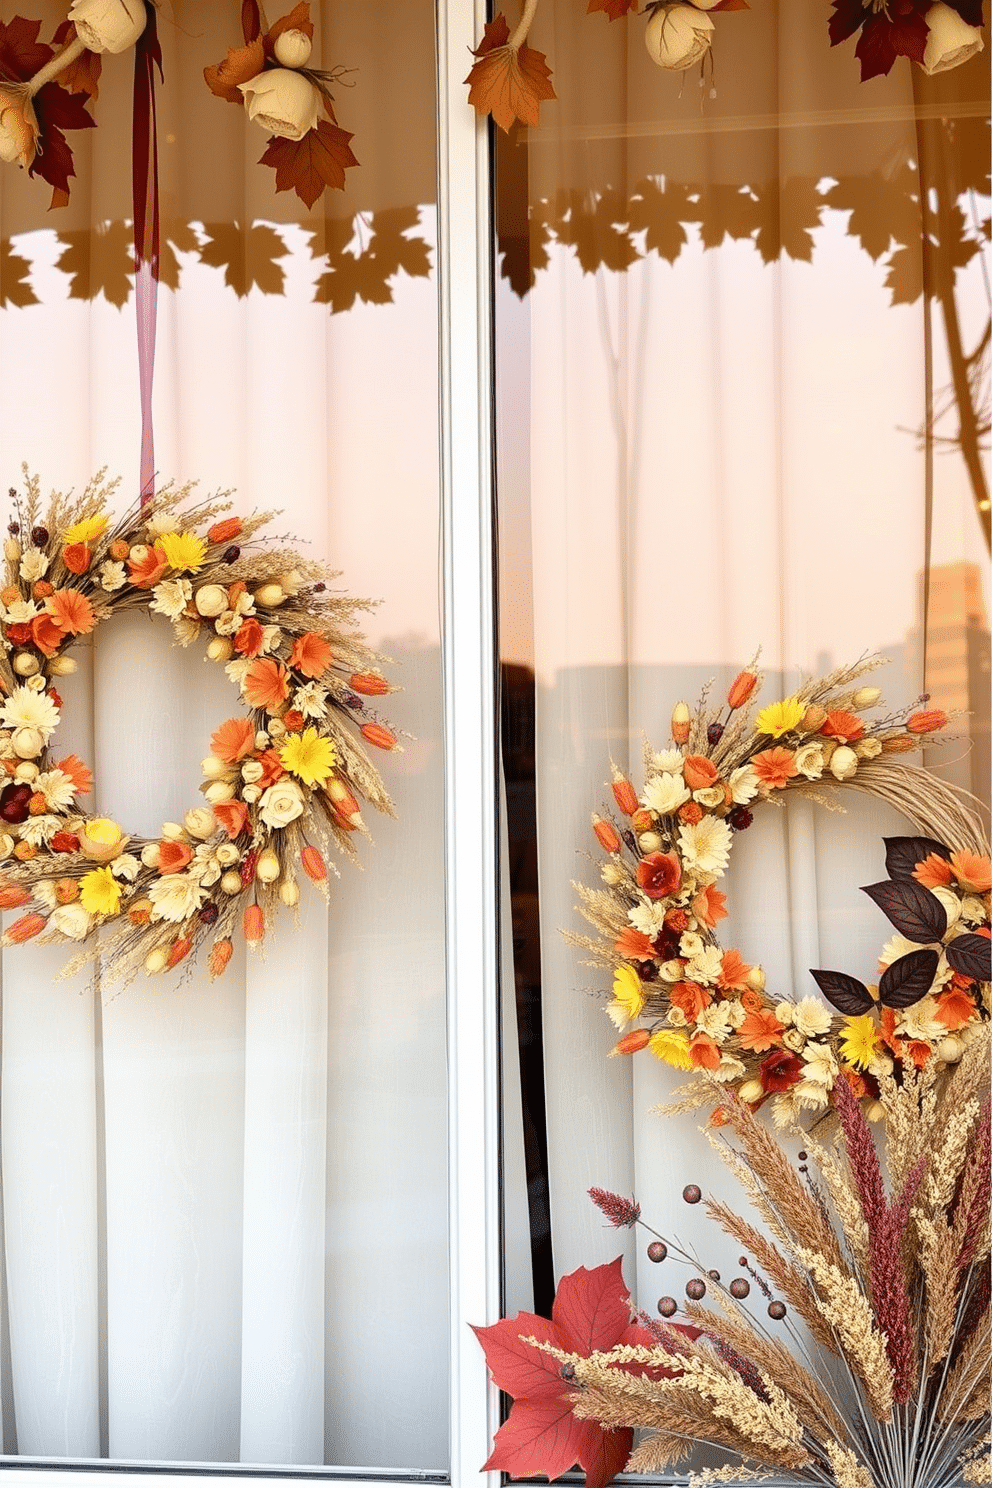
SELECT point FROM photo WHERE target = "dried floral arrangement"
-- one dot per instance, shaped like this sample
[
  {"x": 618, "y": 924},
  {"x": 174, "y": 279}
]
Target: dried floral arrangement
[
  {"x": 282, "y": 782},
  {"x": 885, "y": 1383},
  {"x": 45, "y": 88},
  {"x": 701, "y": 1008},
  {"x": 510, "y": 79}
]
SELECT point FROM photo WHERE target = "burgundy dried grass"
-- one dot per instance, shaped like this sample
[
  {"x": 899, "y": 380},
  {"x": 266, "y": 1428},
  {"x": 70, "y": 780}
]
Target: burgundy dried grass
[{"x": 621, "y": 1212}]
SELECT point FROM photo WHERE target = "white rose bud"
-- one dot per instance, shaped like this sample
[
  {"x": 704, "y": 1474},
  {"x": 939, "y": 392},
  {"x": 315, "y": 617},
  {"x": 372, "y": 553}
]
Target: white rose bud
[
  {"x": 277, "y": 728},
  {"x": 210, "y": 601},
  {"x": 108, "y": 25},
  {"x": 283, "y": 102},
  {"x": 218, "y": 791},
  {"x": 27, "y": 742},
  {"x": 6, "y": 845},
  {"x": 291, "y": 581},
  {"x": 18, "y": 146},
  {"x": 199, "y": 822},
  {"x": 231, "y": 882},
  {"x": 843, "y": 763},
  {"x": 25, "y": 664},
  {"x": 267, "y": 868},
  {"x": 756, "y": 979},
  {"x": 677, "y": 36},
  {"x": 251, "y": 793},
  {"x": 293, "y": 48},
  {"x": 227, "y": 854},
  {"x": 869, "y": 748},
  {"x": 649, "y": 842},
  {"x": 156, "y": 960},
  {"x": 270, "y": 596},
  {"x": 751, "y": 1091},
  {"x": 251, "y": 771},
  {"x": 289, "y": 892},
  {"x": 27, "y": 771},
  {"x": 11, "y": 547},
  {"x": 865, "y": 697},
  {"x": 213, "y": 768},
  {"x": 61, "y": 666},
  {"x": 36, "y": 683},
  {"x": 150, "y": 854},
  {"x": 220, "y": 649},
  {"x": 950, "y": 40},
  {"x": 261, "y": 740},
  {"x": 172, "y": 832}
]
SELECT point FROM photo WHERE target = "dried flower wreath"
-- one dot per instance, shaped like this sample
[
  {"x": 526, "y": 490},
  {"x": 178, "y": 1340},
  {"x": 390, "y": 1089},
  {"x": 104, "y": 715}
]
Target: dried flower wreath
[
  {"x": 705, "y": 1008},
  {"x": 288, "y": 774}
]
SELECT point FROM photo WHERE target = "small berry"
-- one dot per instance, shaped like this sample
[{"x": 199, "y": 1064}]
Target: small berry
[
  {"x": 714, "y": 733},
  {"x": 696, "y": 1288},
  {"x": 319, "y": 588},
  {"x": 743, "y": 1261},
  {"x": 713, "y": 1275},
  {"x": 776, "y": 1310},
  {"x": 740, "y": 1288},
  {"x": 231, "y": 554},
  {"x": 209, "y": 913},
  {"x": 667, "y": 1306},
  {"x": 13, "y": 528},
  {"x": 802, "y": 1156},
  {"x": 657, "y": 1250},
  {"x": 740, "y": 818},
  {"x": 39, "y": 536},
  {"x": 692, "y": 1193}
]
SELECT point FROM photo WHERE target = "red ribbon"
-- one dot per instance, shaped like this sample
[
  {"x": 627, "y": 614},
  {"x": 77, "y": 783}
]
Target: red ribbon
[{"x": 144, "y": 188}]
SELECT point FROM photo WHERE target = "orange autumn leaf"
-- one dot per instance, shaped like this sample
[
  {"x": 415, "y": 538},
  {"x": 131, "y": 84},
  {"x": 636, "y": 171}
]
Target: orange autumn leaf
[
  {"x": 80, "y": 775},
  {"x": 508, "y": 82},
  {"x": 709, "y": 905},
  {"x": 71, "y": 611},
  {"x": 239, "y": 66},
  {"x": 311, "y": 655},
  {"x": 233, "y": 740},
  {"x": 266, "y": 683},
  {"x": 306, "y": 166}
]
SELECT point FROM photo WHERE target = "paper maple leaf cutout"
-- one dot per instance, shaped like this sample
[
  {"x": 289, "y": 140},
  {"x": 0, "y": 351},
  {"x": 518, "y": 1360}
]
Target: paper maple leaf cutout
[
  {"x": 884, "y": 37},
  {"x": 509, "y": 82},
  {"x": 541, "y": 1435},
  {"x": 306, "y": 166}
]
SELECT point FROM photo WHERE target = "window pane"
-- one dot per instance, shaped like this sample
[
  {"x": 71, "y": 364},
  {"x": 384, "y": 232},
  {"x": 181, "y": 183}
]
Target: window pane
[
  {"x": 716, "y": 370},
  {"x": 224, "y": 1204}
]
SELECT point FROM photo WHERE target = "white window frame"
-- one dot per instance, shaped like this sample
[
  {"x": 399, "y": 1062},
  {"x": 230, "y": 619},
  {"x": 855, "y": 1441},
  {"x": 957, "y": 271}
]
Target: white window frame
[{"x": 465, "y": 286}]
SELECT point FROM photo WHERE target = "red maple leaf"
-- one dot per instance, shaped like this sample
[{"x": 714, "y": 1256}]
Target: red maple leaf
[
  {"x": 306, "y": 166},
  {"x": 614, "y": 9},
  {"x": 57, "y": 110},
  {"x": 541, "y": 1435},
  {"x": 883, "y": 40},
  {"x": 508, "y": 82},
  {"x": 21, "y": 53}
]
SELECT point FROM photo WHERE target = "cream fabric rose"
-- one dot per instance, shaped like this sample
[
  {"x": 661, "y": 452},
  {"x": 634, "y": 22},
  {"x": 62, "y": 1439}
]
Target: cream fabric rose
[
  {"x": 72, "y": 920},
  {"x": 665, "y": 793},
  {"x": 18, "y": 128},
  {"x": 951, "y": 40},
  {"x": 283, "y": 102},
  {"x": 281, "y": 804},
  {"x": 293, "y": 48},
  {"x": 108, "y": 25},
  {"x": 676, "y": 36}
]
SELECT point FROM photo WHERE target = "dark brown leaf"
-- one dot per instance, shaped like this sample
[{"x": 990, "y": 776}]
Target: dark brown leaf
[
  {"x": 971, "y": 955},
  {"x": 908, "y": 979},
  {"x": 902, "y": 854},
  {"x": 298, "y": 19},
  {"x": 306, "y": 166},
  {"x": 251, "y": 20},
  {"x": 21, "y": 53},
  {"x": 847, "y": 994},
  {"x": 915, "y": 912}
]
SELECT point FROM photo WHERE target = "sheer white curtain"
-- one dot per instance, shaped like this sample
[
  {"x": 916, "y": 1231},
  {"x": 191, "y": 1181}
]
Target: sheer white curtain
[
  {"x": 723, "y": 453},
  {"x": 224, "y": 1204}
]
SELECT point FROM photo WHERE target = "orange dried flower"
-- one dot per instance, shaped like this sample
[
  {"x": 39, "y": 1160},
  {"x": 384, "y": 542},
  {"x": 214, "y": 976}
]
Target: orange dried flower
[
  {"x": 691, "y": 812},
  {"x": 699, "y": 772},
  {"x": 45, "y": 634},
  {"x": 606, "y": 834},
  {"x": 235, "y": 592},
  {"x": 625, "y": 795},
  {"x": 842, "y": 726},
  {"x": 233, "y": 817},
  {"x": 80, "y": 775},
  {"x": 67, "y": 890},
  {"x": 10, "y": 594},
  {"x": 376, "y": 734},
  {"x": 24, "y": 929},
  {"x": 76, "y": 557},
  {"x": 775, "y": 767},
  {"x": 709, "y": 905},
  {"x": 64, "y": 842},
  {"x": 178, "y": 950},
  {"x": 972, "y": 871},
  {"x": 311, "y": 655},
  {"x": 220, "y": 954},
  {"x": 222, "y": 532},
  {"x": 12, "y": 896},
  {"x": 760, "y": 1031},
  {"x": 272, "y": 768},
  {"x": 704, "y": 1052},
  {"x": 41, "y": 589},
  {"x": 119, "y": 549},
  {"x": 19, "y": 632},
  {"x": 691, "y": 998},
  {"x": 634, "y": 945},
  {"x": 233, "y": 740},
  {"x": 642, "y": 820},
  {"x": 313, "y": 864},
  {"x": 676, "y": 920},
  {"x": 733, "y": 971},
  {"x": 659, "y": 874},
  {"x": 145, "y": 572},
  {"x": 71, "y": 611},
  {"x": 899, "y": 744},
  {"x": 37, "y": 805},
  {"x": 266, "y": 683},
  {"x": 927, "y": 722},
  {"x": 250, "y": 638},
  {"x": 741, "y": 689},
  {"x": 139, "y": 916},
  {"x": 751, "y": 1001},
  {"x": 632, "y": 1042},
  {"x": 933, "y": 871},
  {"x": 254, "y": 925},
  {"x": 368, "y": 683},
  {"x": 173, "y": 857},
  {"x": 25, "y": 851},
  {"x": 293, "y": 720}
]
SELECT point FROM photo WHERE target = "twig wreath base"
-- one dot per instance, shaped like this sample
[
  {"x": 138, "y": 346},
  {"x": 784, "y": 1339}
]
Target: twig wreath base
[
  {"x": 283, "y": 782},
  {"x": 701, "y": 1008}
]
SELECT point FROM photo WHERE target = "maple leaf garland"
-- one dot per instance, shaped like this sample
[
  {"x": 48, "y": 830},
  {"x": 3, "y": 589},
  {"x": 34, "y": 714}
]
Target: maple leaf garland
[
  {"x": 898, "y": 29},
  {"x": 510, "y": 80},
  {"x": 33, "y": 66},
  {"x": 305, "y": 159}
]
